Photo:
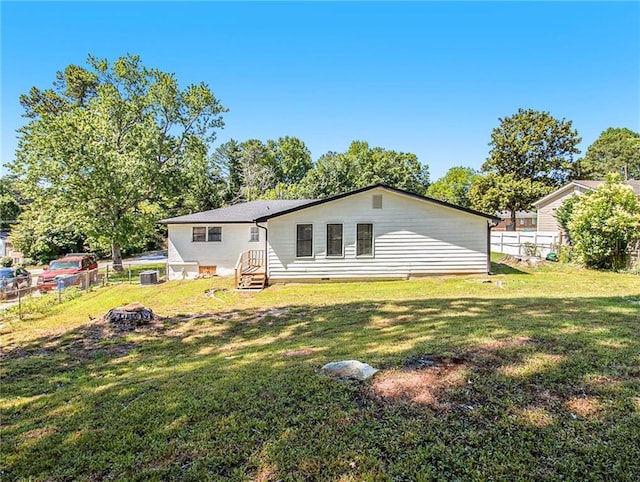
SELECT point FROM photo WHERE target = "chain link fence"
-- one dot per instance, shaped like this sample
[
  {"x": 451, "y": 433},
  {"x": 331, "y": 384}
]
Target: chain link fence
[{"x": 30, "y": 296}]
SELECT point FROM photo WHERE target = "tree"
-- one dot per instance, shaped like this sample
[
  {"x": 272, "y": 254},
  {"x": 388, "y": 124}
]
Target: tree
[
  {"x": 48, "y": 232},
  {"x": 533, "y": 150},
  {"x": 108, "y": 143},
  {"x": 227, "y": 158},
  {"x": 363, "y": 166},
  {"x": 616, "y": 150},
  {"x": 493, "y": 193},
  {"x": 10, "y": 202},
  {"x": 605, "y": 223},
  {"x": 204, "y": 178},
  {"x": 454, "y": 186},
  {"x": 290, "y": 159},
  {"x": 257, "y": 169}
]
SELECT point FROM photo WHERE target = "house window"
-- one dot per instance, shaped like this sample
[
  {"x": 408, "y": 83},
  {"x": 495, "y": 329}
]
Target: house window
[
  {"x": 304, "y": 240},
  {"x": 377, "y": 201},
  {"x": 522, "y": 222},
  {"x": 364, "y": 243},
  {"x": 199, "y": 235},
  {"x": 214, "y": 234},
  {"x": 254, "y": 234},
  {"x": 533, "y": 221},
  {"x": 334, "y": 239}
]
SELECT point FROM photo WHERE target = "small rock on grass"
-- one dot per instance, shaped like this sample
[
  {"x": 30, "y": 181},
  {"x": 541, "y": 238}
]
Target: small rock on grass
[{"x": 352, "y": 369}]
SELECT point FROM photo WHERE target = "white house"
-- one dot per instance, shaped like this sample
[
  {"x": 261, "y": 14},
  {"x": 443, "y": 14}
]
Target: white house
[{"x": 374, "y": 232}]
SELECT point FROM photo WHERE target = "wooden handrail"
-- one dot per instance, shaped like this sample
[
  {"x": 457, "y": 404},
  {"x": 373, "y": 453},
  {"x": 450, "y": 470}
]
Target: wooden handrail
[{"x": 254, "y": 258}]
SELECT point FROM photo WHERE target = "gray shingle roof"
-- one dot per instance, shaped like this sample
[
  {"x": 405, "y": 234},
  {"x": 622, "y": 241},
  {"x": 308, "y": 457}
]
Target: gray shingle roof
[
  {"x": 238, "y": 213},
  {"x": 635, "y": 185}
]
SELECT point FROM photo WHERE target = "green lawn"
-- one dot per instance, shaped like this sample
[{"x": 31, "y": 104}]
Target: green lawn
[{"x": 536, "y": 377}]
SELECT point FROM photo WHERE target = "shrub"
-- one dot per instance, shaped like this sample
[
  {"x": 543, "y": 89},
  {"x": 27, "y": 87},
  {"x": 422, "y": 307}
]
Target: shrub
[
  {"x": 605, "y": 224},
  {"x": 6, "y": 262},
  {"x": 531, "y": 249}
]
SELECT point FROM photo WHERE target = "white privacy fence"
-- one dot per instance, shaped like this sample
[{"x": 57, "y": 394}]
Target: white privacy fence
[{"x": 520, "y": 242}]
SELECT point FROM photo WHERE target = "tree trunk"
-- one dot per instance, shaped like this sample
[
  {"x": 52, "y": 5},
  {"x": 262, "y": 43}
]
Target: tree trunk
[
  {"x": 116, "y": 256},
  {"x": 512, "y": 221}
]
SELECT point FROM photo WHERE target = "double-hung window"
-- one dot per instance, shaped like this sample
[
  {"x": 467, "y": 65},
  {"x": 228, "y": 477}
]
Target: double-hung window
[
  {"x": 254, "y": 234},
  {"x": 214, "y": 234},
  {"x": 201, "y": 234},
  {"x": 334, "y": 239},
  {"x": 304, "y": 240},
  {"x": 364, "y": 241}
]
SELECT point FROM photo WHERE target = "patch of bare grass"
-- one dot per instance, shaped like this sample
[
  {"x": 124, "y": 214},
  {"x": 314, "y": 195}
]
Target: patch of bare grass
[{"x": 427, "y": 386}]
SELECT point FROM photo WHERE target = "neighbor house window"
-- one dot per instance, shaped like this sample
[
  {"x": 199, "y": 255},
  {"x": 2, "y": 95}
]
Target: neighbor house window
[
  {"x": 334, "y": 239},
  {"x": 533, "y": 221},
  {"x": 304, "y": 240},
  {"x": 214, "y": 234},
  {"x": 254, "y": 235},
  {"x": 199, "y": 235},
  {"x": 377, "y": 201},
  {"x": 521, "y": 222},
  {"x": 364, "y": 242}
]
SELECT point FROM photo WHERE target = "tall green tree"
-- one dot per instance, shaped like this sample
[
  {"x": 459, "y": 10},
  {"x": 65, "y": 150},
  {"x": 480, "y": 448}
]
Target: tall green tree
[
  {"x": 531, "y": 150},
  {"x": 454, "y": 186},
  {"x": 290, "y": 159},
  {"x": 227, "y": 159},
  {"x": 10, "y": 202},
  {"x": 47, "y": 233},
  {"x": 617, "y": 150},
  {"x": 108, "y": 142},
  {"x": 258, "y": 170},
  {"x": 605, "y": 223},
  {"x": 206, "y": 186},
  {"x": 361, "y": 166},
  {"x": 494, "y": 192}
]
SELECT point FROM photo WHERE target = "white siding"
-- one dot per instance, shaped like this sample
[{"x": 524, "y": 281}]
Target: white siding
[
  {"x": 183, "y": 253},
  {"x": 411, "y": 237}
]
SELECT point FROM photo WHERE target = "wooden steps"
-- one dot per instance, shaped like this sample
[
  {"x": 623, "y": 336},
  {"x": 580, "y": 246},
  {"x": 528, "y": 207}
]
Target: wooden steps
[{"x": 250, "y": 271}]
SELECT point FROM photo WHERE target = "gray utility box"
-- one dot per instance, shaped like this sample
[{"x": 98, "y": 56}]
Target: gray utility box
[{"x": 149, "y": 277}]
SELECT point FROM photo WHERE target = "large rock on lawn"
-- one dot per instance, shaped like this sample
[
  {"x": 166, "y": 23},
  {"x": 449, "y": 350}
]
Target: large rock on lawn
[{"x": 349, "y": 369}]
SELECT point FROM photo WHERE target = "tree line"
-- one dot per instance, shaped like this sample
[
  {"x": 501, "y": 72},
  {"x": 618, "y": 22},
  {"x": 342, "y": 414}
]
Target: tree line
[{"x": 111, "y": 148}]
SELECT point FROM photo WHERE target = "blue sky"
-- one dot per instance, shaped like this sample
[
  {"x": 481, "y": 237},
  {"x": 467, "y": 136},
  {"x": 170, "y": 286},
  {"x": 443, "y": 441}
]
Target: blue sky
[{"x": 424, "y": 77}]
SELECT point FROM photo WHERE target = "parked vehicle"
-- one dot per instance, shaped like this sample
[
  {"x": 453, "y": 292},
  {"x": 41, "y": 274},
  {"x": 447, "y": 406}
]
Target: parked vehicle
[
  {"x": 77, "y": 264},
  {"x": 12, "y": 280}
]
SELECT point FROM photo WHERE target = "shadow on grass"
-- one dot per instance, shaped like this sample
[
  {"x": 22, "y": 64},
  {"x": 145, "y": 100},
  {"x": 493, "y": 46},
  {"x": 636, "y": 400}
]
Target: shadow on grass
[
  {"x": 533, "y": 389},
  {"x": 502, "y": 268}
]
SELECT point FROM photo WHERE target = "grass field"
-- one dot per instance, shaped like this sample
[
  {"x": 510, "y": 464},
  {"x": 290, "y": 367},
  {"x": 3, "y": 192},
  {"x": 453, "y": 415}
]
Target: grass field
[{"x": 530, "y": 374}]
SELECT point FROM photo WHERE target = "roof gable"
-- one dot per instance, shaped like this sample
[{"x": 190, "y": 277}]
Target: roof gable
[
  {"x": 585, "y": 184},
  {"x": 378, "y": 186},
  {"x": 261, "y": 211}
]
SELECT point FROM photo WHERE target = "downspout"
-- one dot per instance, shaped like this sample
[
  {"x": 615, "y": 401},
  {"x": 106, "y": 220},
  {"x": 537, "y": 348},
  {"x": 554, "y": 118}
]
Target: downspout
[{"x": 266, "y": 252}]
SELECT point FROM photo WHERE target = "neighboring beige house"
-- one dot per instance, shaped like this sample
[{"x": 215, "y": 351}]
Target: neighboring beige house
[
  {"x": 375, "y": 232},
  {"x": 548, "y": 205}
]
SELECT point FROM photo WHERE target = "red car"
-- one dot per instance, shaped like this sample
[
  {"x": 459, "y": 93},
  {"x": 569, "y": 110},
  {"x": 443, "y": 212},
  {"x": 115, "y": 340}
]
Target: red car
[{"x": 72, "y": 264}]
